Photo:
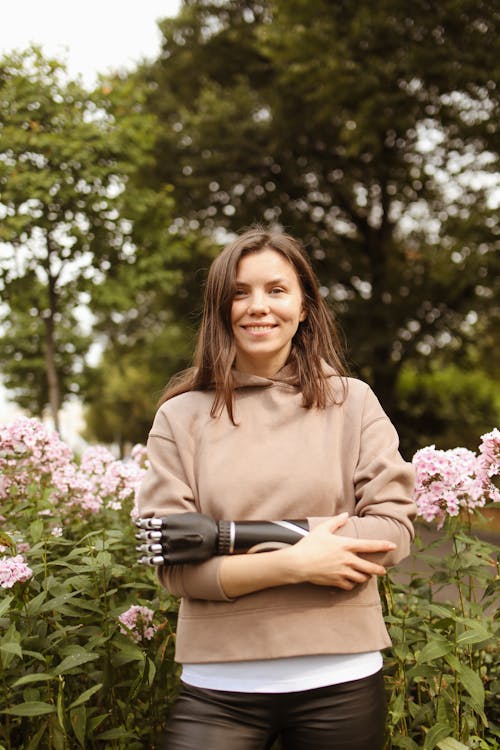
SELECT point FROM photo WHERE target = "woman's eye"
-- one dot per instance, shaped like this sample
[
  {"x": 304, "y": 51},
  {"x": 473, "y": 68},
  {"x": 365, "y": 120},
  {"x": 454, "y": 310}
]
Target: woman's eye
[
  {"x": 239, "y": 293},
  {"x": 277, "y": 290}
]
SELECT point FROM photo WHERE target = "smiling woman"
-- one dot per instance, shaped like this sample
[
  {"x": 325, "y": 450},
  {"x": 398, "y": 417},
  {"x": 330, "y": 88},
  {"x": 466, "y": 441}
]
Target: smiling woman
[
  {"x": 266, "y": 426},
  {"x": 267, "y": 310}
]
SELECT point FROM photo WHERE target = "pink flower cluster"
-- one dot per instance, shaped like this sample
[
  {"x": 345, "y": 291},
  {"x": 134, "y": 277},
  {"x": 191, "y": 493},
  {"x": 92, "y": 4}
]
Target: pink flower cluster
[
  {"x": 489, "y": 453},
  {"x": 447, "y": 481},
  {"x": 13, "y": 570},
  {"x": 139, "y": 454},
  {"x": 139, "y": 623},
  {"x": 31, "y": 456},
  {"x": 29, "y": 453}
]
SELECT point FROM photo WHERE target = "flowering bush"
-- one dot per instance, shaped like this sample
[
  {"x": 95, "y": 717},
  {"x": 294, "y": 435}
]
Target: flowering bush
[
  {"x": 83, "y": 664},
  {"x": 86, "y": 634},
  {"x": 442, "y": 671}
]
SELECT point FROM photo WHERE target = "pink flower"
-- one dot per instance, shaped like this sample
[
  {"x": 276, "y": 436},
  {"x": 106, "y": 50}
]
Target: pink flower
[
  {"x": 139, "y": 621},
  {"x": 139, "y": 454},
  {"x": 447, "y": 481},
  {"x": 95, "y": 460},
  {"x": 489, "y": 450},
  {"x": 13, "y": 570},
  {"x": 108, "y": 481}
]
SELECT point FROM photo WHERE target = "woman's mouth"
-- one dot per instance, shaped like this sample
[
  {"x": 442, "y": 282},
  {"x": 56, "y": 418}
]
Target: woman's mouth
[{"x": 259, "y": 328}]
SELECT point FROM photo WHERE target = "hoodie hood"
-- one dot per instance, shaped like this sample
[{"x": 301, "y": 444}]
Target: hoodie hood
[{"x": 286, "y": 376}]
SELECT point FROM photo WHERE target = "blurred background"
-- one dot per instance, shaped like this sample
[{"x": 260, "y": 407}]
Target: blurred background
[{"x": 131, "y": 154}]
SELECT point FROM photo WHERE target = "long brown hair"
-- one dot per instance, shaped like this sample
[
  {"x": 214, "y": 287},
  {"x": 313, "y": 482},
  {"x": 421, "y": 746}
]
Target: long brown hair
[{"x": 316, "y": 339}]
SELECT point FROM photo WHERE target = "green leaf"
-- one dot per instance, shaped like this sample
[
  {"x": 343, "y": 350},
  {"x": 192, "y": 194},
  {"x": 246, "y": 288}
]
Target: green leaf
[
  {"x": 5, "y": 604},
  {"x": 60, "y": 704},
  {"x": 30, "y": 708},
  {"x": 104, "y": 559},
  {"x": 441, "y": 610},
  {"x": 151, "y": 672},
  {"x": 11, "y": 648},
  {"x": 434, "y": 650},
  {"x": 86, "y": 695},
  {"x": 96, "y": 721},
  {"x": 450, "y": 743},
  {"x": 436, "y": 733},
  {"x": 36, "y": 530},
  {"x": 127, "y": 653},
  {"x": 74, "y": 660},
  {"x": 35, "y": 654},
  {"x": 78, "y": 720},
  {"x": 37, "y": 737},
  {"x": 405, "y": 742},
  {"x": 474, "y": 686},
  {"x": 7, "y": 541},
  {"x": 34, "y": 605},
  {"x": 29, "y": 679},
  {"x": 57, "y": 602},
  {"x": 476, "y": 634}
]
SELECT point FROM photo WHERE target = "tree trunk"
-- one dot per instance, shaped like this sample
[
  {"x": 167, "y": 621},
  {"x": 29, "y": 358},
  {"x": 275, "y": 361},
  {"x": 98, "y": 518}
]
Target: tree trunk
[
  {"x": 384, "y": 370},
  {"x": 50, "y": 356}
]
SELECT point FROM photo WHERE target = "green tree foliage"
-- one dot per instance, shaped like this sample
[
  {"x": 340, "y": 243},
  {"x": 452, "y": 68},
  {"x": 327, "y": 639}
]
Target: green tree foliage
[
  {"x": 147, "y": 311},
  {"x": 148, "y": 315},
  {"x": 61, "y": 173},
  {"x": 368, "y": 130},
  {"x": 447, "y": 406}
]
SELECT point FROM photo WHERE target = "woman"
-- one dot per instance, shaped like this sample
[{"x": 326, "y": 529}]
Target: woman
[{"x": 285, "y": 643}]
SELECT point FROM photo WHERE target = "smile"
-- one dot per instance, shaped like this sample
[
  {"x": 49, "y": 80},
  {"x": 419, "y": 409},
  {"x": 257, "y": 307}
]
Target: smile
[{"x": 259, "y": 329}]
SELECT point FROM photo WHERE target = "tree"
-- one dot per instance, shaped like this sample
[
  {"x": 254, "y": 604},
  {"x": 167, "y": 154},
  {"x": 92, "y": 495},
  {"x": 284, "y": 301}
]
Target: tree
[
  {"x": 61, "y": 173},
  {"x": 24, "y": 342},
  {"x": 366, "y": 130}
]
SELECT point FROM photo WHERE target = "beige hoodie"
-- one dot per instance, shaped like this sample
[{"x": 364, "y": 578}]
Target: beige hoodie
[{"x": 280, "y": 461}]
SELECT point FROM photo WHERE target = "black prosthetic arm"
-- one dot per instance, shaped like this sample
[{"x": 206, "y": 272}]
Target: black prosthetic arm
[{"x": 194, "y": 537}]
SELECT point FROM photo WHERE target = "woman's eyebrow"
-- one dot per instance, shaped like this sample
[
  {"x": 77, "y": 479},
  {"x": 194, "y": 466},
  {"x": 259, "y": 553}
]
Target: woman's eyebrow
[
  {"x": 270, "y": 282},
  {"x": 278, "y": 280}
]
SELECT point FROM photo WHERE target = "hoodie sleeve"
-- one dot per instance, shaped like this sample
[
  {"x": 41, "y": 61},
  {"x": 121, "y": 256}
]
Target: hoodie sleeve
[
  {"x": 166, "y": 489},
  {"x": 383, "y": 487}
]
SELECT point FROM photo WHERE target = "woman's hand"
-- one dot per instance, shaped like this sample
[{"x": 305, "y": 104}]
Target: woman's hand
[
  {"x": 329, "y": 560},
  {"x": 321, "y": 558}
]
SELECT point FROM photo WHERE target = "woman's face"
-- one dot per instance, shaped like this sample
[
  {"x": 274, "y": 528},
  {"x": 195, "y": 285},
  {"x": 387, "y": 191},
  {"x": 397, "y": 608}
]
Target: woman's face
[{"x": 267, "y": 308}]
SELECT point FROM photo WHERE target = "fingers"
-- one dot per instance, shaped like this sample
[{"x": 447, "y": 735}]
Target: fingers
[
  {"x": 368, "y": 545},
  {"x": 354, "y": 544},
  {"x": 333, "y": 523},
  {"x": 359, "y": 570},
  {"x": 367, "y": 568}
]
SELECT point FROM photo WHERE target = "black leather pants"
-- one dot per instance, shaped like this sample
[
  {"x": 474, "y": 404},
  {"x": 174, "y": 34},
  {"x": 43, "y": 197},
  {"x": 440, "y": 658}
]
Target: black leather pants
[{"x": 349, "y": 716}]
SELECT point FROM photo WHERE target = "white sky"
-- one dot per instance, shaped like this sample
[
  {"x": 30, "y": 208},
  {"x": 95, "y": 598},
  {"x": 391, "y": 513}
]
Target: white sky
[{"x": 93, "y": 36}]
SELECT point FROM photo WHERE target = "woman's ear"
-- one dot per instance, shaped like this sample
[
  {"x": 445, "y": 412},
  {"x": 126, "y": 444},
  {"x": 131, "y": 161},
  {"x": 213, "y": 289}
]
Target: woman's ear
[{"x": 303, "y": 314}]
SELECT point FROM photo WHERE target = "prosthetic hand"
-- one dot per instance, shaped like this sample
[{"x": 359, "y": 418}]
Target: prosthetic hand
[{"x": 194, "y": 537}]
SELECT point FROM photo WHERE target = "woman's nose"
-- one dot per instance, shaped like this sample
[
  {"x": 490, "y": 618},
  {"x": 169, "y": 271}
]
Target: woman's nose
[{"x": 258, "y": 303}]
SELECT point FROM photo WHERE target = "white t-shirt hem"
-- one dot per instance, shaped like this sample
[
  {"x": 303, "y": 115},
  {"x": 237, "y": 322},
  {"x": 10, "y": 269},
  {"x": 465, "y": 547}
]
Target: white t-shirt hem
[{"x": 286, "y": 675}]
